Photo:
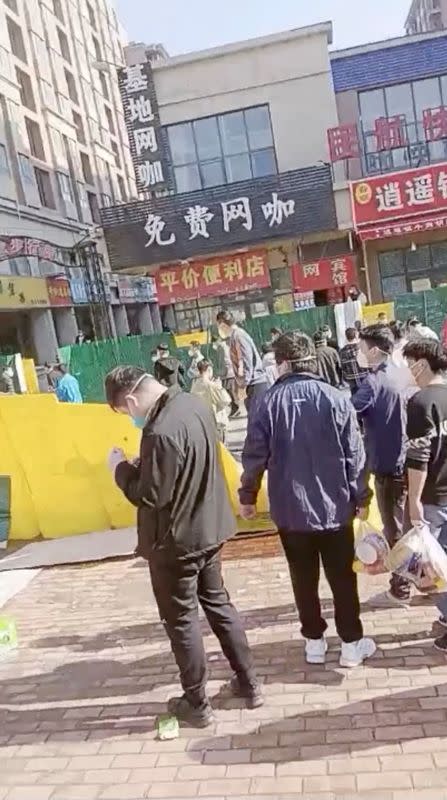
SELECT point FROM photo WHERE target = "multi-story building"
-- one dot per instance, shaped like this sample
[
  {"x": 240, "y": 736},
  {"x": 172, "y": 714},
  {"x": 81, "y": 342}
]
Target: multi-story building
[
  {"x": 425, "y": 16},
  {"x": 64, "y": 154},
  {"x": 232, "y": 144}
]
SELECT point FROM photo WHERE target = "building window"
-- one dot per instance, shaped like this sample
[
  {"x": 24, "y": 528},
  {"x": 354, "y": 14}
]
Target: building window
[
  {"x": 399, "y": 269},
  {"x": 98, "y": 54},
  {"x": 91, "y": 15},
  {"x": 26, "y": 169},
  {"x": 4, "y": 163},
  {"x": 94, "y": 208},
  {"x": 77, "y": 121},
  {"x": 64, "y": 46},
  {"x": 44, "y": 187},
  {"x": 71, "y": 86},
  {"x": 104, "y": 86},
  {"x": 16, "y": 39},
  {"x": 57, "y": 8},
  {"x": 110, "y": 121},
  {"x": 116, "y": 154},
  {"x": 12, "y": 5},
  {"x": 223, "y": 149},
  {"x": 65, "y": 187},
  {"x": 35, "y": 139},
  {"x": 26, "y": 89},
  {"x": 122, "y": 189},
  {"x": 86, "y": 168}
]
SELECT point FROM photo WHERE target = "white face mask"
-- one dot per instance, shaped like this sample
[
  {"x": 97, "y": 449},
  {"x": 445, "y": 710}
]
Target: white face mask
[
  {"x": 283, "y": 369},
  {"x": 362, "y": 360},
  {"x": 223, "y": 333}
]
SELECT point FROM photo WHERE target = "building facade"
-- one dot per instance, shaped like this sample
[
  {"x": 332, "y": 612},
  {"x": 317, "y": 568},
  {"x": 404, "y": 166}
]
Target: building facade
[
  {"x": 426, "y": 16},
  {"x": 64, "y": 154},
  {"x": 389, "y": 156},
  {"x": 240, "y": 211}
]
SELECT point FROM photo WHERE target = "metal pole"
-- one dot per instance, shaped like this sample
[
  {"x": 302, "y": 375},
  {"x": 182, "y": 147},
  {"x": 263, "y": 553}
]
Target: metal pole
[{"x": 366, "y": 268}]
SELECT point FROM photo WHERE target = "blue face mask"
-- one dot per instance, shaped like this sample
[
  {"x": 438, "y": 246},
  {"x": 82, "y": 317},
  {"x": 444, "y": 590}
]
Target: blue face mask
[{"x": 139, "y": 422}]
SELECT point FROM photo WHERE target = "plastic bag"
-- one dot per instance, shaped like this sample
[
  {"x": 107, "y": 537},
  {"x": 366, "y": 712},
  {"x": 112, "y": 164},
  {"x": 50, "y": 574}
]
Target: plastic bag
[
  {"x": 419, "y": 557},
  {"x": 371, "y": 550}
]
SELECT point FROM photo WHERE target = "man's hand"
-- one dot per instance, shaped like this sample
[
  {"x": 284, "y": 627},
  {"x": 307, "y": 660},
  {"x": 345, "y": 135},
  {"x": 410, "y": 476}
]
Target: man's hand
[
  {"x": 363, "y": 513},
  {"x": 416, "y": 510},
  {"x": 116, "y": 456},
  {"x": 247, "y": 512}
]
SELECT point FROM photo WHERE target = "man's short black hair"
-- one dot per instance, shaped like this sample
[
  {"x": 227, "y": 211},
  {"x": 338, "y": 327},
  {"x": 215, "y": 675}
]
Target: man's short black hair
[
  {"x": 428, "y": 349},
  {"x": 378, "y": 335},
  {"x": 320, "y": 337},
  {"x": 298, "y": 349},
  {"x": 195, "y": 343},
  {"x": 163, "y": 346},
  {"x": 398, "y": 329},
  {"x": 413, "y": 321},
  {"x": 226, "y": 317},
  {"x": 119, "y": 382},
  {"x": 351, "y": 334}
]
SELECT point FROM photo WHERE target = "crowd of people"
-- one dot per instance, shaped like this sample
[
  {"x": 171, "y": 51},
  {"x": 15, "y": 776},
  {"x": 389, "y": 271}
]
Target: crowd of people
[{"x": 323, "y": 422}]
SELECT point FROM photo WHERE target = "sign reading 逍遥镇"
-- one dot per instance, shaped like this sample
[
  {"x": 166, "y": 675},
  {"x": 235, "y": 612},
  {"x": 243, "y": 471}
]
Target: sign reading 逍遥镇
[
  {"x": 228, "y": 274},
  {"x": 142, "y": 119},
  {"x": 399, "y": 195}
]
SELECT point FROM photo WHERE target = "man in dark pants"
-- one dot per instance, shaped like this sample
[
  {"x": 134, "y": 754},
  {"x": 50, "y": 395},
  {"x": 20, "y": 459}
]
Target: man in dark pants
[
  {"x": 184, "y": 517},
  {"x": 381, "y": 406},
  {"x": 249, "y": 373},
  {"x": 305, "y": 432}
]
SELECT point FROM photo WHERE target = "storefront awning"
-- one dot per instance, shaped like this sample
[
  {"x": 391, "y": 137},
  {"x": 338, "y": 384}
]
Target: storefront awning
[{"x": 392, "y": 229}]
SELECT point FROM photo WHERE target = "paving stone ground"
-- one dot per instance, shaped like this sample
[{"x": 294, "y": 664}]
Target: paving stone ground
[{"x": 78, "y": 700}]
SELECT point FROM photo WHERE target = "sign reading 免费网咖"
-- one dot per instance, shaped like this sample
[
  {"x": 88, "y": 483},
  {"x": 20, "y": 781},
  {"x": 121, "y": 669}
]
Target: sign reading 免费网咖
[
  {"x": 217, "y": 276},
  {"x": 23, "y": 292},
  {"x": 399, "y": 195},
  {"x": 142, "y": 119}
]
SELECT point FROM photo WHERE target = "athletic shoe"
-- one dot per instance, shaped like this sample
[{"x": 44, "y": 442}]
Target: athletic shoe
[
  {"x": 441, "y": 643},
  {"x": 354, "y": 653},
  {"x": 250, "y": 692},
  {"x": 442, "y": 621},
  {"x": 316, "y": 650},
  {"x": 388, "y": 600},
  {"x": 195, "y": 716}
]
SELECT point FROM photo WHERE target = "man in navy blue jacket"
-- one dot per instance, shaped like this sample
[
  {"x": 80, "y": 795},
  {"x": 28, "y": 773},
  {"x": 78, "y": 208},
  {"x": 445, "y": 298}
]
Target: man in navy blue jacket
[{"x": 305, "y": 433}]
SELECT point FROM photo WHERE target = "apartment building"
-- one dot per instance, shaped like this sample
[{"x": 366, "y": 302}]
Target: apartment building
[
  {"x": 426, "y": 16},
  {"x": 64, "y": 154}
]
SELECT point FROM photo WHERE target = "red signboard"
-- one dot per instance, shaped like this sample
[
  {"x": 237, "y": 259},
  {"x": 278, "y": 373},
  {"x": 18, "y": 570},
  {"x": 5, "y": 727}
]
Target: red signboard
[
  {"x": 434, "y": 121},
  {"x": 414, "y": 225},
  {"x": 58, "y": 292},
  {"x": 398, "y": 195},
  {"x": 343, "y": 142},
  {"x": 327, "y": 273},
  {"x": 216, "y": 276}
]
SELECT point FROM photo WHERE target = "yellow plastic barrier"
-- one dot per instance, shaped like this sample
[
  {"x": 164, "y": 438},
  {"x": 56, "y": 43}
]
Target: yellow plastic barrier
[
  {"x": 371, "y": 313},
  {"x": 29, "y": 370}
]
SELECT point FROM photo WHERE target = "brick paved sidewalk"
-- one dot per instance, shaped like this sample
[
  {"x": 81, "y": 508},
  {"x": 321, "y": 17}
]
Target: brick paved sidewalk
[{"x": 78, "y": 701}]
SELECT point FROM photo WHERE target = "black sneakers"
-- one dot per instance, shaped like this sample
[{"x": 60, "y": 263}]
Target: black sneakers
[
  {"x": 196, "y": 716},
  {"x": 250, "y": 692},
  {"x": 441, "y": 643}
]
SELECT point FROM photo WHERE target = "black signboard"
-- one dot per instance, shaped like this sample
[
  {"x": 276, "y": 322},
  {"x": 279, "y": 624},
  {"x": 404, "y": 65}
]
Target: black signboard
[
  {"x": 141, "y": 114},
  {"x": 182, "y": 226}
]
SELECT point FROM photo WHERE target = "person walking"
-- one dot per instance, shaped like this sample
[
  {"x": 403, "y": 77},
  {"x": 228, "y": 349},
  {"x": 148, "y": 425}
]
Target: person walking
[
  {"x": 168, "y": 370},
  {"x": 312, "y": 491},
  {"x": 66, "y": 386},
  {"x": 427, "y": 450},
  {"x": 352, "y": 374},
  {"x": 269, "y": 363},
  {"x": 196, "y": 356},
  {"x": 381, "y": 406},
  {"x": 184, "y": 518},
  {"x": 249, "y": 373},
  {"x": 328, "y": 360},
  {"x": 224, "y": 370},
  {"x": 216, "y": 397}
]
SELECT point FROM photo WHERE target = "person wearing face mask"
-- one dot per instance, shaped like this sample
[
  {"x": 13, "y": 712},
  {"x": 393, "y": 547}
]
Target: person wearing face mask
[
  {"x": 382, "y": 409},
  {"x": 305, "y": 434},
  {"x": 224, "y": 370},
  {"x": 249, "y": 373},
  {"x": 184, "y": 518},
  {"x": 196, "y": 357},
  {"x": 427, "y": 451},
  {"x": 214, "y": 394},
  {"x": 168, "y": 370}
]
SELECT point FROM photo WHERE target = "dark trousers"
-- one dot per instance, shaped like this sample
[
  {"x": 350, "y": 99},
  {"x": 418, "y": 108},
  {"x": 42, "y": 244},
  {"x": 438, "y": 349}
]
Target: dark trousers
[
  {"x": 336, "y": 550},
  {"x": 391, "y": 494},
  {"x": 179, "y": 586},
  {"x": 229, "y": 385},
  {"x": 254, "y": 394}
]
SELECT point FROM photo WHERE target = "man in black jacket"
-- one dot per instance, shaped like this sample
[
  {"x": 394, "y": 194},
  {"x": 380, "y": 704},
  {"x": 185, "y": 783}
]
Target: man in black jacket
[
  {"x": 168, "y": 370},
  {"x": 328, "y": 360},
  {"x": 184, "y": 518}
]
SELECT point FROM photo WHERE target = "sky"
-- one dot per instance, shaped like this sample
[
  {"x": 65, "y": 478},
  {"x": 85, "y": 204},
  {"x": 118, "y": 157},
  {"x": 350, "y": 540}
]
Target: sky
[{"x": 186, "y": 25}]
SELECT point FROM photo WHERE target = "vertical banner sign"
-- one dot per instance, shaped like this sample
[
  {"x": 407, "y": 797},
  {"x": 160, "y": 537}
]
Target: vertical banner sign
[{"x": 142, "y": 119}]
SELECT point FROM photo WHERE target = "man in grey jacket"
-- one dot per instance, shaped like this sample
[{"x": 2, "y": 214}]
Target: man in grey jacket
[{"x": 249, "y": 373}]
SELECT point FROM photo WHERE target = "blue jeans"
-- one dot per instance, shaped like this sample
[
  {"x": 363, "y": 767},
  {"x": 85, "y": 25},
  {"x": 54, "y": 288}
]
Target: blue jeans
[{"x": 436, "y": 516}]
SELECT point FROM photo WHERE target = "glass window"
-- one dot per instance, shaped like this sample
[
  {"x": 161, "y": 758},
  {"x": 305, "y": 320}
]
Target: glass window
[
  {"x": 26, "y": 89},
  {"x": 392, "y": 287},
  {"x": 263, "y": 162},
  {"x": 16, "y": 39},
  {"x": 372, "y": 106},
  {"x": 439, "y": 255},
  {"x": 418, "y": 260},
  {"x": 207, "y": 138},
  {"x": 391, "y": 262},
  {"x": 212, "y": 173},
  {"x": 26, "y": 169},
  {"x": 4, "y": 165},
  {"x": 44, "y": 187},
  {"x": 181, "y": 142},
  {"x": 233, "y": 133},
  {"x": 187, "y": 178},
  {"x": 399, "y": 100},
  {"x": 259, "y": 128},
  {"x": 238, "y": 168}
]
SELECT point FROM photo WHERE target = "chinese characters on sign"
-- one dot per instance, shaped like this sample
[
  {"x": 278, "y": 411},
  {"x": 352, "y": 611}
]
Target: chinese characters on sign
[
  {"x": 58, "y": 292},
  {"x": 214, "y": 277},
  {"x": 16, "y": 246},
  {"x": 328, "y": 273},
  {"x": 23, "y": 292},
  {"x": 197, "y": 218},
  {"x": 417, "y": 225},
  {"x": 142, "y": 119},
  {"x": 400, "y": 194},
  {"x": 343, "y": 142}
]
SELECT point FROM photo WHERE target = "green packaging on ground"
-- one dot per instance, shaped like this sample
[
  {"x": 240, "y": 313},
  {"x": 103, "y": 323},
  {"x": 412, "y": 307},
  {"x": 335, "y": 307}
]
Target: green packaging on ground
[
  {"x": 167, "y": 727},
  {"x": 8, "y": 636}
]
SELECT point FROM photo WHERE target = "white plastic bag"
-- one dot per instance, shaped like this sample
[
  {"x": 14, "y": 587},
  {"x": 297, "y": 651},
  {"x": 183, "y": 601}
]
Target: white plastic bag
[
  {"x": 419, "y": 557},
  {"x": 371, "y": 550}
]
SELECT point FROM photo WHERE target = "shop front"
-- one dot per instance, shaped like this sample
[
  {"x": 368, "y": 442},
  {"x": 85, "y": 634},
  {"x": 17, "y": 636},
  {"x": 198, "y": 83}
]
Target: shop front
[{"x": 401, "y": 222}]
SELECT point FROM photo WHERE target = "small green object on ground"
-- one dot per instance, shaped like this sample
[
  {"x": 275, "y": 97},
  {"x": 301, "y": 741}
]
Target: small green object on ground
[
  {"x": 167, "y": 727},
  {"x": 8, "y": 636}
]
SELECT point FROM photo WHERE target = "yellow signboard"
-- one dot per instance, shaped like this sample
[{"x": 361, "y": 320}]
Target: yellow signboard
[
  {"x": 371, "y": 313},
  {"x": 185, "y": 339},
  {"x": 23, "y": 292}
]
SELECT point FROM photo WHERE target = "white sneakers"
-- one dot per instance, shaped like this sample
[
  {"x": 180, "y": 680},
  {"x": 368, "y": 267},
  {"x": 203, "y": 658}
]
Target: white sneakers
[{"x": 352, "y": 654}]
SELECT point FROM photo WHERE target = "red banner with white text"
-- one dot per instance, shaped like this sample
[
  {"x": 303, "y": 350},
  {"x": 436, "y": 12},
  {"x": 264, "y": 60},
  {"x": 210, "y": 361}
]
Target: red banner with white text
[{"x": 327, "y": 273}]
